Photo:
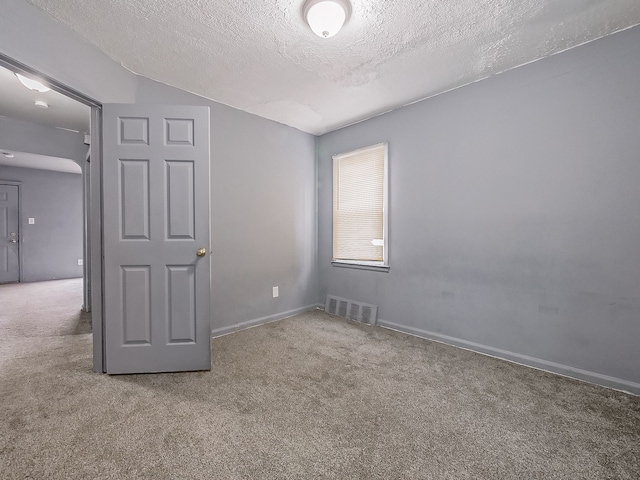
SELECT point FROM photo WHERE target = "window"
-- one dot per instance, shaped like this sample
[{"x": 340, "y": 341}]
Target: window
[{"x": 360, "y": 236}]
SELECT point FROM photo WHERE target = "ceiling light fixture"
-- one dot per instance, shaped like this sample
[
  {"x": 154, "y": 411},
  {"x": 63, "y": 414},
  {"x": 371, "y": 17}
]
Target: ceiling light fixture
[
  {"x": 326, "y": 17},
  {"x": 31, "y": 84},
  {"x": 42, "y": 104},
  {"x": 8, "y": 154}
]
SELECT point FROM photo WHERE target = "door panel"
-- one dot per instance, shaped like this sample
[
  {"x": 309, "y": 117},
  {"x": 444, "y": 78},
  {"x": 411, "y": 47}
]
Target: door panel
[
  {"x": 180, "y": 204},
  {"x": 136, "y": 305},
  {"x": 9, "y": 234},
  {"x": 181, "y": 295},
  {"x": 134, "y": 199},
  {"x": 156, "y": 217}
]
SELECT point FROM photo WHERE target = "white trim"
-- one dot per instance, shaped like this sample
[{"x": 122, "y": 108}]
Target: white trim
[
  {"x": 532, "y": 362},
  {"x": 385, "y": 207},
  {"x": 219, "y": 332},
  {"x": 373, "y": 266},
  {"x": 340, "y": 156},
  {"x": 95, "y": 234}
]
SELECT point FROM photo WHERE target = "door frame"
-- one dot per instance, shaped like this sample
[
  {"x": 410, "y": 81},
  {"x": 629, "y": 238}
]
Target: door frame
[
  {"x": 19, "y": 185},
  {"x": 92, "y": 200}
]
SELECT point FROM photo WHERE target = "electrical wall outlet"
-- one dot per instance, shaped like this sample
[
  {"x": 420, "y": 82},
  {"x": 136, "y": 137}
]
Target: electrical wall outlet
[
  {"x": 275, "y": 292},
  {"x": 80, "y": 261}
]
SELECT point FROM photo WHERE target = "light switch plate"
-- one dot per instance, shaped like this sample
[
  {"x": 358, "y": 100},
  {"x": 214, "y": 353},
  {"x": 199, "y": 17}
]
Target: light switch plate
[
  {"x": 32, "y": 221},
  {"x": 80, "y": 261}
]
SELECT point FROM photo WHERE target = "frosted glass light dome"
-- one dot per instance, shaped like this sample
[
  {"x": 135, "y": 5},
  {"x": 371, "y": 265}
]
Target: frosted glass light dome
[
  {"x": 32, "y": 84},
  {"x": 326, "y": 17}
]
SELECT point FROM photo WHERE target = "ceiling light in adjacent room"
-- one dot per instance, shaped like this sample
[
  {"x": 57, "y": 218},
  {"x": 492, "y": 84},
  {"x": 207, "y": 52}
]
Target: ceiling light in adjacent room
[
  {"x": 31, "y": 84},
  {"x": 42, "y": 104},
  {"x": 326, "y": 17}
]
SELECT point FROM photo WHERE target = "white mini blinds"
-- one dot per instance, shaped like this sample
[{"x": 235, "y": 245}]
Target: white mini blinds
[{"x": 360, "y": 206}]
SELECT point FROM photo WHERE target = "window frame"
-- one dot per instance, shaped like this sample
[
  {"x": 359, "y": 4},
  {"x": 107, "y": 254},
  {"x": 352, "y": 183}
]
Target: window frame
[{"x": 380, "y": 266}]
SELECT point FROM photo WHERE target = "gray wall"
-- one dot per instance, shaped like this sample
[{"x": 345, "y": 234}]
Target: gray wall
[
  {"x": 263, "y": 228},
  {"x": 52, "y": 246},
  {"x": 514, "y": 214},
  {"x": 27, "y": 137},
  {"x": 29, "y": 35}
]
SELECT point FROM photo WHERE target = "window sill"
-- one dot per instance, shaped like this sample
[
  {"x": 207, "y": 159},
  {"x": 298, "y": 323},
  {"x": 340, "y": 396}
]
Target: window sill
[{"x": 361, "y": 266}]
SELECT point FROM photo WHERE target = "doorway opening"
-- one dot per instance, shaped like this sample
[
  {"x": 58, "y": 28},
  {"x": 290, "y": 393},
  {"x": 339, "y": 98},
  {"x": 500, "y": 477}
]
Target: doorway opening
[
  {"x": 47, "y": 141},
  {"x": 41, "y": 213}
]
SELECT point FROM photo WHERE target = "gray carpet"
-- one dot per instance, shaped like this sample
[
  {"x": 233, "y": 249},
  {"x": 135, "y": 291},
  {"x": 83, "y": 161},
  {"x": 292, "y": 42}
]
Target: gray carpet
[
  {"x": 42, "y": 309},
  {"x": 310, "y": 397}
]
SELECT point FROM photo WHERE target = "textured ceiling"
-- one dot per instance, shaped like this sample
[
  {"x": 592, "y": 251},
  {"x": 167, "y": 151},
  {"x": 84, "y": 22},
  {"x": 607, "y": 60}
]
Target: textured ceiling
[{"x": 261, "y": 57}]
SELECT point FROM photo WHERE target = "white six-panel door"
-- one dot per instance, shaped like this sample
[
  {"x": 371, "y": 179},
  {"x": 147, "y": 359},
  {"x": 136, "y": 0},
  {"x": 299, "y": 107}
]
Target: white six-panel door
[{"x": 156, "y": 238}]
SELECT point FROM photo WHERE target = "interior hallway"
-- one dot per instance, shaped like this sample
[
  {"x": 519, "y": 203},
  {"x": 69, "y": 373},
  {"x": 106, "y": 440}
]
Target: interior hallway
[{"x": 42, "y": 309}]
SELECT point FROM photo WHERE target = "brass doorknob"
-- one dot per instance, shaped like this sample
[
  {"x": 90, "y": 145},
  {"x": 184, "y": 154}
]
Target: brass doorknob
[{"x": 201, "y": 252}]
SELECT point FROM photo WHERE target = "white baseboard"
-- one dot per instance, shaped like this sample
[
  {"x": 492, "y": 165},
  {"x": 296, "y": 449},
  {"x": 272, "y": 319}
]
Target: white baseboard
[
  {"x": 557, "y": 368},
  {"x": 219, "y": 332}
]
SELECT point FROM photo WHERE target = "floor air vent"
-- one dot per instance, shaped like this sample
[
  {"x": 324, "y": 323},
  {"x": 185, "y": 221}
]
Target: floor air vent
[{"x": 352, "y": 310}]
